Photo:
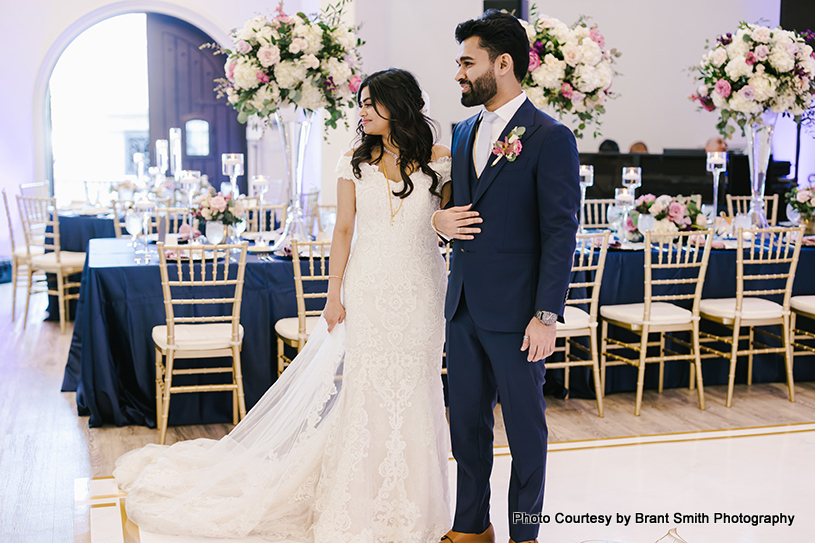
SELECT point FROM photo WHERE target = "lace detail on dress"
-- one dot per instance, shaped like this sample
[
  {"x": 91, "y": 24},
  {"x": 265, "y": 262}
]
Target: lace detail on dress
[{"x": 351, "y": 444}]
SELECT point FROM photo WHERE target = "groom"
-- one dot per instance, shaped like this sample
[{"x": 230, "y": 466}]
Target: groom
[{"x": 514, "y": 225}]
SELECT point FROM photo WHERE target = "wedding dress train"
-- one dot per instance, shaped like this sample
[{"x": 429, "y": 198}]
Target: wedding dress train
[{"x": 351, "y": 443}]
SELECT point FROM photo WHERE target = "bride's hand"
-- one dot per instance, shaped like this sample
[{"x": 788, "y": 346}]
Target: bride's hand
[{"x": 334, "y": 313}]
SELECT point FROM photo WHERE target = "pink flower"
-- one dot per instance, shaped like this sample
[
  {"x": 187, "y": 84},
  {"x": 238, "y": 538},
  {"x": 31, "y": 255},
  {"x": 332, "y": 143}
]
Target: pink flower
[
  {"x": 268, "y": 55},
  {"x": 230, "y": 70},
  {"x": 356, "y": 81},
  {"x": 577, "y": 97},
  {"x": 750, "y": 59},
  {"x": 566, "y": 90},
  {"x": 762, "y": 52},
  {"x": 723, "y": 88},
  {"x": 534, "y": 61},
  {"x": 676, "y": 211},
  {"x": 262, "y": 77},
  {"x": 645, "y": 199},
  {"x": 629, "y": 225},
  {"x": 597, "y": 38},
  {"x": 516, "y": 147},
  {"x": 748, "y": 92},
  {"x": 218, "y": 203},
  {"x": 297, "y": 45},
  {"x": 243, "y": 47}
]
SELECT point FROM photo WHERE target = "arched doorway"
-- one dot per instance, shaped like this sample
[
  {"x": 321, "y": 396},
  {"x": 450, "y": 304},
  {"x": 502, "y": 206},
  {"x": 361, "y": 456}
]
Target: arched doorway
[{"x": 122, "y": 84}]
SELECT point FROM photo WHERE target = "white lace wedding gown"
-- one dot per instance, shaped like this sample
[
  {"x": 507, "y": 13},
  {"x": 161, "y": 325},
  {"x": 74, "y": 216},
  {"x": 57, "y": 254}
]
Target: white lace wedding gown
[{"x": 351, "y": 443}]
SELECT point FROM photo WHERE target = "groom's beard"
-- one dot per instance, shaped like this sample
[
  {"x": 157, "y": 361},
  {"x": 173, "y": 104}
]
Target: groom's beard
[{"x": 481, "y": 90}]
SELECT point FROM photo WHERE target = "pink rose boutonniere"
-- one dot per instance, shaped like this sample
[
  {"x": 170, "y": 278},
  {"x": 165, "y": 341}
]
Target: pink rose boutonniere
[{"x": 511, "y": 147}]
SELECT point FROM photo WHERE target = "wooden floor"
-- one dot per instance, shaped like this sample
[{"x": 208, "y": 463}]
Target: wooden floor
[{"x": 46, "y": 446}]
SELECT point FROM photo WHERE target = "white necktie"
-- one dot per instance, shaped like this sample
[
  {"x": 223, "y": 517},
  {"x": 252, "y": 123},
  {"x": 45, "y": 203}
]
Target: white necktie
[{"x": 483, "y": 145}]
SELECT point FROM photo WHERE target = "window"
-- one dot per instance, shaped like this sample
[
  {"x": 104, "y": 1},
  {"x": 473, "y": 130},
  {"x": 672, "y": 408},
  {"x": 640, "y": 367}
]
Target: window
[{"x": 197, "y": 137}]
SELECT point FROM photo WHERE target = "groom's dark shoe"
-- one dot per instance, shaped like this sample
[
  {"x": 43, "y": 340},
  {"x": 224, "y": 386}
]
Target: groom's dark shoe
[{"x": 487, "y": 536}]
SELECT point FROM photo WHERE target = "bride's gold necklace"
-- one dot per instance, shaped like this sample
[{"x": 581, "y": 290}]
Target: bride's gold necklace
[{"x": 388, "y": 186}]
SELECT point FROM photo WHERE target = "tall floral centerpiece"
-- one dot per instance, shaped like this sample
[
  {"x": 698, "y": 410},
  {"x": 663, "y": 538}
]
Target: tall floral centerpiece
[
  {"x": 570, "y": 69},
  {"x": 288, "y": 67},
  {"x": 751, "y": 76}
]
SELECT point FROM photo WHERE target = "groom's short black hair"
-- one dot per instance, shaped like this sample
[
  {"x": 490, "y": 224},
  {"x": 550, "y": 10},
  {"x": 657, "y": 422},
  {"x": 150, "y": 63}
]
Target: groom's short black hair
[{"x": 499, "y": 32}]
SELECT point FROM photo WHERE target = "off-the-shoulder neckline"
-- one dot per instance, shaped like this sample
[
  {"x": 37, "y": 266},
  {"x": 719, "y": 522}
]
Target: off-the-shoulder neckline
[{"x": 438, "y": 160}]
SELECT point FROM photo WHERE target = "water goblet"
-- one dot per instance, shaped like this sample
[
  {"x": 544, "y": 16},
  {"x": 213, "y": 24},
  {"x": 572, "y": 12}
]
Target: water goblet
[
  {"x": 215, "y": 232},
  {"x": 624, "y": 200},
  {"x": 133, "y": 226}
]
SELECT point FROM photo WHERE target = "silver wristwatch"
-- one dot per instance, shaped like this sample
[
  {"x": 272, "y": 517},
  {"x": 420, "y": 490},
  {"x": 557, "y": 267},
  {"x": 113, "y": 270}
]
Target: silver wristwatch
[{"x": 546, "y": 317}]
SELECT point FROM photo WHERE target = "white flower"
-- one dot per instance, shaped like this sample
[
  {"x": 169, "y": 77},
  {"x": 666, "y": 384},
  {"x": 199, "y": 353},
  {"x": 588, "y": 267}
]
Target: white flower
[
  {"x": 605, "y": 73},
  {"x": 550, "y": 73},
  {"x": 764, "y": 86},
  {"x": 311, "y": 97},
  {"x": 311, "y": 62},
  {"x": 232, "y": 95},
  {"x": 803, "y": 196},
  {"x": 737, "y": 47},
  {"x": 313, "y": 35},
  {"x": 783, "y": 102},
  {"x": 738, "y": 67},
  {"x": 808, "y": 64},
  {"x": 297, "y": 45},
  {"x": 266, "y": 94},
  {"x": 719, "y": 101},
  {"x": 718, "y": 56},
  {"x": 544, "y": 21},
  {"x": 781, "y": 60},
  {"x": 702, "y": 90},
  {"x": 581, "y": 32},
  {"x": 339, "y": 71},
  {"x": 805, "y": 52},
  {"x": 701, "y": 220},
  {"x": 289, "y": 74},
  {"x": 246, "y": 74},
  {"x": 531, "y": 33},
  {"x": 586, "y": 78},
  {"x": 266, "y": 34},
  {"x": 250, "y": 28},
  {"x": 572, "y": 55},
  {"x": 591, "y": 52},
  {"x": 664, "y": 226},
  {"x": 738, "y": 102},
  {"x": 268, "y": 55},
  {"x": 563, "y": 34},
  {"x": 344, "y": 37},
  {"x": 535, "y": 94},
  {"x": 761, "y": 34}
]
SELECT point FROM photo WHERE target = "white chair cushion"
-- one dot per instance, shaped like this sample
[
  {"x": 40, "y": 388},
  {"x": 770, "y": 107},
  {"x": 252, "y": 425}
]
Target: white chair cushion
[
  {"x": 575, "y": 319},
  {"x": 21, "y": 252},
  {"x": 197, "y": 337},
  {"x": 290, "y": 328},
  {"x": 67, "y": 259},
  {"x": 805, "y": 304},
  {"x": 661, "y": 313},
  {"x": 751, "y": 308}
]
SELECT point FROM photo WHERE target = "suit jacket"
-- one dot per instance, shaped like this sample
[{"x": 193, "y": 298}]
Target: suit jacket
[{"x": 521, "y": 261}]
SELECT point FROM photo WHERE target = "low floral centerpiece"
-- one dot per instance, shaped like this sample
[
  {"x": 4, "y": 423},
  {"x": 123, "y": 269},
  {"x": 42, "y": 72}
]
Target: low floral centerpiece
[
  {"x": 663, "y": 215},
  {"x": 570, "y": 69},
  {"x": 309, "y": 62},
  {"x": 802, "y": 200},
  {"x": 214, "y": 206},
  {"x": 755, "y": 69}
]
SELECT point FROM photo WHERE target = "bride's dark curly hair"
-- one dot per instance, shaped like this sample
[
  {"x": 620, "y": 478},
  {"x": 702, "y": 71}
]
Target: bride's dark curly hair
[{"x": 411, "y": 131}]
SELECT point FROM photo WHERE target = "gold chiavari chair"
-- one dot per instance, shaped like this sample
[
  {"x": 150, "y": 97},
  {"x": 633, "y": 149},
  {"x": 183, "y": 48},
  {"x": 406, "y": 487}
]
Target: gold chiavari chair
[
  {"x": 741, "y": 204},
  {"x": 174, "y": 218},
  {"x": 120, "y": 208},
  {"x": 801, "y": 306},
  {"x": 38, "y": 215},
  {"x": 587, "y": 276},
  {"x": 310, "y": 209},
  {"x": 596, "y": 212},
  {"x": 199, "y": 337},
  {"x": 675, "y": 264},
  {"x": 271, "y": 190},
  {"x": 295, "y": 331},
  {"x": 20, "y": 260},
  {"x": 35, "y": 190},
  {"x": 771, "y": 249},
  {"x": 324, "y": 210}
]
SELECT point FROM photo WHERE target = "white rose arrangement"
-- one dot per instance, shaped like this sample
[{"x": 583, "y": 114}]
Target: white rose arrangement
[
  {"x": 754, "y": 70},
  {"x": 570, "y": 69},
  {"x": 301, "y": 61}
]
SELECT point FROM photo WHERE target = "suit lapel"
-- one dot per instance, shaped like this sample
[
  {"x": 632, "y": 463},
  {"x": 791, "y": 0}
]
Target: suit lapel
[
  {"x": 525, "y": 116},
  {"x": 463, "y": 156}
]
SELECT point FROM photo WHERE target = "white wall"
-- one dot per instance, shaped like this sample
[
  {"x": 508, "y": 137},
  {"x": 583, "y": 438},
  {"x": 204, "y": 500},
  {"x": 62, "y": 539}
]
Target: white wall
[{"x": 658, "y": 38}]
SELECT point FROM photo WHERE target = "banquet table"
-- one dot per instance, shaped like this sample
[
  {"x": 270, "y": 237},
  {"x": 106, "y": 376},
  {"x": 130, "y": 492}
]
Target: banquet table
[
  {"x": 75, "y": 231},
  {"x": 111, "y": 363}
]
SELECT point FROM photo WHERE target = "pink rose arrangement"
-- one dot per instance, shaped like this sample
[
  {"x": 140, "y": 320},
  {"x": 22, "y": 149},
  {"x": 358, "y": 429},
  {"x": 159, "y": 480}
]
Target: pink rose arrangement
[
  {"x": 309, "y": 62},
  {"x": 670, "y": 214},
  {"x": 751, "y": 71},
  {"x": 570, "y": 69},
  {"x": 802, "y": 200},
  {"x": 214, "y": 206}
]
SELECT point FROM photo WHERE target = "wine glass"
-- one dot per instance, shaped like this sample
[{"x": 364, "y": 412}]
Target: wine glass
[
  {"x": 624, "y": 201},
  {"x": 586, "y": 181},
  {"x": 232, "y": 166},
  {"x": 215, "y": 232},
  {"x": 239, "y": 227},
  {"x": 632, "y": 179},
  {"x": 133, "y": 225}
]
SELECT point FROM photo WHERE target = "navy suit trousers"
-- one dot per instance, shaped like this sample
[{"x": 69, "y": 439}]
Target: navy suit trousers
[{"x": 480, "y": 366}]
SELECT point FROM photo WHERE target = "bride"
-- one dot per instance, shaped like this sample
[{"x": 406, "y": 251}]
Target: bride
[{"x": 351, "y": 443}]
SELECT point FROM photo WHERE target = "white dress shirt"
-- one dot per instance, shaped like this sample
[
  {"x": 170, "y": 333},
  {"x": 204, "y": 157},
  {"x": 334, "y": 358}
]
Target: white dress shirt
[{"x": 505, "y": 114}]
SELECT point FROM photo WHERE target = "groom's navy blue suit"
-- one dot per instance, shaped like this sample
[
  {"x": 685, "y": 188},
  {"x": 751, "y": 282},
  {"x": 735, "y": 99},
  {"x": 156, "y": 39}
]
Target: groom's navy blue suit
[{"x": 519, "y": 263}]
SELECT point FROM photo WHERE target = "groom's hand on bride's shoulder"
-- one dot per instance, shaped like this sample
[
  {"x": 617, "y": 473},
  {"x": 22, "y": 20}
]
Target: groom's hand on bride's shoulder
[
  {"x": 457, "y": 222},
  {"x": 539, "y": 340}
]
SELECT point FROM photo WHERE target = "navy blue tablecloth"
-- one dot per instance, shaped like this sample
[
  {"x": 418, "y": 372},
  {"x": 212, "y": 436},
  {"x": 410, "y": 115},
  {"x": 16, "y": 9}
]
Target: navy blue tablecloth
[
  {"x": 74, "y": 233},
  {"x": 111, "y": 364},
  {"x": 623, "y": 282}
]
